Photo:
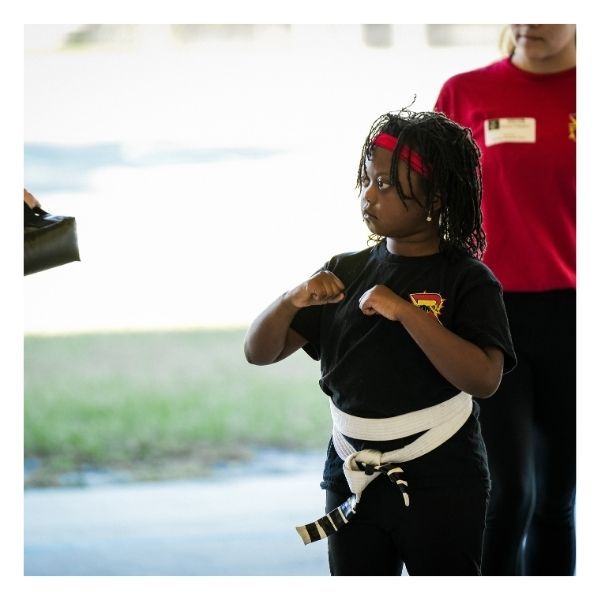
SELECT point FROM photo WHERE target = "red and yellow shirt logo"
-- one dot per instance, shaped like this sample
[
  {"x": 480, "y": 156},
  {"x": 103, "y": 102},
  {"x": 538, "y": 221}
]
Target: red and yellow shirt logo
[
  {"x": 572, "y": 126},
  {"x": 431, "y": 303}
]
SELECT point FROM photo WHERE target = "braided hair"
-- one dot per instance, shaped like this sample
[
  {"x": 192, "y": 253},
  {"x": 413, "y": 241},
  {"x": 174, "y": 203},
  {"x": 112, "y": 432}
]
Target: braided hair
[{"x": 454, "y": 173}]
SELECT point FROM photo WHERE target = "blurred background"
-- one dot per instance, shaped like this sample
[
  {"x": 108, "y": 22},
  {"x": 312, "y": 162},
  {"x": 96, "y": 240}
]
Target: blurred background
[{"x": 210, "y": 168}]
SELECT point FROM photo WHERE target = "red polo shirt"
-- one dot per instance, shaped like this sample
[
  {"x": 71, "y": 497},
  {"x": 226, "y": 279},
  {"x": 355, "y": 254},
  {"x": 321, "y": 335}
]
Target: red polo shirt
[{"x": 524, "y": 124}]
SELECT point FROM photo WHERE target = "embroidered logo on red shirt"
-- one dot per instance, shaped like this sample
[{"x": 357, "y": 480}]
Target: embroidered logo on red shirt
[
  {"x": 572, "y": 126},
  {"x": 431, "y": 303}
]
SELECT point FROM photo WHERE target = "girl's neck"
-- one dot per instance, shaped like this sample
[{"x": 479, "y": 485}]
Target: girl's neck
[
  {"x": 566, "y": 59},
  {"x": 404, "y": 247}
]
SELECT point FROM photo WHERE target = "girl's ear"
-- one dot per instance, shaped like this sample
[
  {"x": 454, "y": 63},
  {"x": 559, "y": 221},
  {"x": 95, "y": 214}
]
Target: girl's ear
[{"x": 436, "y": 204}]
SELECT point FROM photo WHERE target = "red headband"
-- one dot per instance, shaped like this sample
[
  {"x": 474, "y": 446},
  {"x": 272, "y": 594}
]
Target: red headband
[{"x": 389, "y": 142}]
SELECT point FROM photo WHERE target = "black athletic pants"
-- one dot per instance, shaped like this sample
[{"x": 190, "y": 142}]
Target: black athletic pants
[
  {"x": 529, "y": 430},
  {"x": 440, "y": 533}
]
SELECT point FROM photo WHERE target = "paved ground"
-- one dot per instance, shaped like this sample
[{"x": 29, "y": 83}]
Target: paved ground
[{"x": 232, "y": 524}]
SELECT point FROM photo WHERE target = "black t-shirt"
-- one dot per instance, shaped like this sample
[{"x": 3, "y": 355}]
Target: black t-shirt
[{"x": 371, "y": 367}]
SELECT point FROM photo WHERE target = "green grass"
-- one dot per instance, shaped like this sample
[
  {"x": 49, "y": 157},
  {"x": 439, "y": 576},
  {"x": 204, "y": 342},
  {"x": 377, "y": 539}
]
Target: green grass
[{"x": 127, "y": 399}]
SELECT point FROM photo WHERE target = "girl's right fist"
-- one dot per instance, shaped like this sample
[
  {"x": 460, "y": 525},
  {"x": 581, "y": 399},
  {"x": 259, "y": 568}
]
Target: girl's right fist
[{"x": 322, "y": 288}]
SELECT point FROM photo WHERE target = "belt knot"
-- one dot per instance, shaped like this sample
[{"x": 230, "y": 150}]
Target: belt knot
[{"x": 365, "y": 460}]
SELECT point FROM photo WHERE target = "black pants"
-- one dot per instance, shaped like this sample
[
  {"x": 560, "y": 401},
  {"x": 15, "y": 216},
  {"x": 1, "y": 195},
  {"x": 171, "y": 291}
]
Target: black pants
[
  {"x": 529, "y": 431},
  {"x": 440, "y": 533}
]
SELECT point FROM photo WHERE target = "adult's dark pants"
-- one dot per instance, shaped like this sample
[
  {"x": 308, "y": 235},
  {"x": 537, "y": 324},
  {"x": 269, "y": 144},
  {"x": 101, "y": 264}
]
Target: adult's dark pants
[
  {"x": 529, "y": 430},
  {"x": 440, "y": 533}
]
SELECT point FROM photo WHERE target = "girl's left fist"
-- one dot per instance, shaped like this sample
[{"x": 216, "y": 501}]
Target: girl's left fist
[{"x": 380, "y": 300}]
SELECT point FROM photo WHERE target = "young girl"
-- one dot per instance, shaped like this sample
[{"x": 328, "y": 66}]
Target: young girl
[{"x": 406, "y": 332}]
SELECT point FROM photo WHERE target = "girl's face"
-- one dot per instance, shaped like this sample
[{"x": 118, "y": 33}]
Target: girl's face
[
  {"x": 542, "y": 42},
  {"x": 384, "y": 212}
]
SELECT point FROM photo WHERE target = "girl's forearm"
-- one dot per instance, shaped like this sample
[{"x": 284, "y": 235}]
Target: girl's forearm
[
  {"x": 268, "y": 336},
  {"x": 465, "y": 365}
]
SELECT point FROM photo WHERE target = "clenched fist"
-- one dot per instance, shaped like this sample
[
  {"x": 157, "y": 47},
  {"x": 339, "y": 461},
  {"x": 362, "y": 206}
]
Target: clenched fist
[
  {"x": 380, "y": 300},
  {"x": 322, "y": 288}
]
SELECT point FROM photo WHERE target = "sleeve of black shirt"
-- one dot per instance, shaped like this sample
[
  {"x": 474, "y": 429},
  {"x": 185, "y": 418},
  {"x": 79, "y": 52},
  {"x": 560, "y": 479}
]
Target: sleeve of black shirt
[
  {"x": 307, "y": 323},
  {"x": 481, "y": 319}
]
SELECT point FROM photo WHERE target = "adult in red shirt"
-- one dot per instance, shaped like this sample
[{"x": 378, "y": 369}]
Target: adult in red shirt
[{"x": 522, "y": 114}]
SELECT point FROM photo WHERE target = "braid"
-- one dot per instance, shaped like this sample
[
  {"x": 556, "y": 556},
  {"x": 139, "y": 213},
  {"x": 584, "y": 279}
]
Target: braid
[{"x": 454, "y": 176}]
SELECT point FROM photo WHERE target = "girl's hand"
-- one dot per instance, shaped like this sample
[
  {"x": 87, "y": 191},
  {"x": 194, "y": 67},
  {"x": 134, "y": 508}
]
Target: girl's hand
[
  {"x": 380, "y": 300},
  {"x": 322, "y": 288}
]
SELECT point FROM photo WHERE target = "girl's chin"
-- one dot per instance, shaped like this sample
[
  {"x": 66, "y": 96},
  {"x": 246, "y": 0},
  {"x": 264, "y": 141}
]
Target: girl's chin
[
  {"x": 374, "y": 229},
  {"x": 368, "y": 221}
]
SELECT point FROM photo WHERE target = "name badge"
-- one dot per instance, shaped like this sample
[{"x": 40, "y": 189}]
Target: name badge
[{"x": 515, "y": 130}]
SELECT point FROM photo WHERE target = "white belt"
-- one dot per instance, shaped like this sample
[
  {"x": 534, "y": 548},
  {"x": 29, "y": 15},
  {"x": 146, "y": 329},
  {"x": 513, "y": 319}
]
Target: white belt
[{"x": 439, "y": 422}]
